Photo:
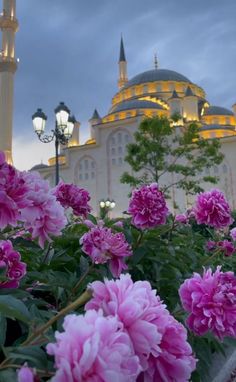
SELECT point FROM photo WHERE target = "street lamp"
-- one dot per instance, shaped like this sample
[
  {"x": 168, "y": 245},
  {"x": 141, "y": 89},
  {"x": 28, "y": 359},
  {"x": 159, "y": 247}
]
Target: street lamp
[
  {"x": 64, "y": 125},
  {"x": 106, "y": 206}
]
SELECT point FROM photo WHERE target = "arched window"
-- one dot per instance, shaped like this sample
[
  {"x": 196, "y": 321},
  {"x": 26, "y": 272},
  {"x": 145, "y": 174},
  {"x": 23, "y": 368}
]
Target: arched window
[
  {"x": 117, "y": 147},
  {"x": 225, "y": 168},
  {"x": 127, "y": 138},
  {"x": 85, "y": 170}
]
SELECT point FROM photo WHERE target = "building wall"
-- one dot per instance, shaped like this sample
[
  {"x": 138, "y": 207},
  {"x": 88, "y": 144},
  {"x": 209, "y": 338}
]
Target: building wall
[{"x": 98, "y": 168}]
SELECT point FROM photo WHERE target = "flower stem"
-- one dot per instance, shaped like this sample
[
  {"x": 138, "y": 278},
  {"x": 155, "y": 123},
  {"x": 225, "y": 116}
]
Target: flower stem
[
  {"x": 74, "y": 290},
  {"x": 81, "y": 300},
  {"x": 215, "y": 254}
]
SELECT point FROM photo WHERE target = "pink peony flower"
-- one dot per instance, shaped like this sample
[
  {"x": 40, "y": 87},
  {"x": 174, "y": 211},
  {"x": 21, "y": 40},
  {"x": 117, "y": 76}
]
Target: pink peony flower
[
  {"x": 25, "y": 374},
  {"x": 13, "y": 194},
  {"x": 233, "y": 233},
  {"x": 70, "y": 195},
  {"x": 227, "y": 247},
  {"x": 211, "y": 301},
  {"x": 181, "y": 218},
  {"x": 211, "y": 245},
  {"x": 175, "y": 362},
  {"x": 44, "y": 216},
  {"x": 212, "y": 209},
  {"x": 148, "y": 207},
  {"x": 10, "y": 262},
  {"x": 102, "y": 246},
  {"x": 93, "y": 348},
  {"x": 158, "y": 339}
]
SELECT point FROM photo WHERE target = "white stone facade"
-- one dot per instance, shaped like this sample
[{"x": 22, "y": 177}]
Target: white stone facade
[{"x": 99, "y": 164}]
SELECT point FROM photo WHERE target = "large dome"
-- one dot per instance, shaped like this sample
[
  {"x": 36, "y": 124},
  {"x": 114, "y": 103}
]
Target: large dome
[
  {"x": 136, "y": 104},
  {"x": 156, "y": 75},
  {"x": 217, "y": 110}
]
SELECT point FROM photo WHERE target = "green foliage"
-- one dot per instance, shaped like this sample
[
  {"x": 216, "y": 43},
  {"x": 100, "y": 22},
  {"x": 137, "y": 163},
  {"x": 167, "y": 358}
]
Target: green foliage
[
  {"x": 162, "y": 149},
  {"x": 165, "y": 256}
]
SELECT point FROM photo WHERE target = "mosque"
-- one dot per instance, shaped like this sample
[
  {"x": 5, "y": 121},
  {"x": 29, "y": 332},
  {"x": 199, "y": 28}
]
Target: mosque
[{"x": 98, "y": 164}]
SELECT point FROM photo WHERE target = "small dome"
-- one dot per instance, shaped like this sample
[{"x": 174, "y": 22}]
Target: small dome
[
  {"x": 136, "y": 104},
  {"x": 217, "y": 110},
  {"x": 217, "y": 127},
  {"x": 156, "y": 75},
  {"x": 39, "y": 166}
]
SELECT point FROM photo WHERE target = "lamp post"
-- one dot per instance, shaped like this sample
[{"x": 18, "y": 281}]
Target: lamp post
[
  {"x": 64, "y": 125},
  {"x": 106, "y": 206}
]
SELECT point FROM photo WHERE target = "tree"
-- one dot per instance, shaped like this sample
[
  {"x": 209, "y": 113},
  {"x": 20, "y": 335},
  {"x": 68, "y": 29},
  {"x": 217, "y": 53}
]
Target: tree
[{"x": 171, "y": 155}]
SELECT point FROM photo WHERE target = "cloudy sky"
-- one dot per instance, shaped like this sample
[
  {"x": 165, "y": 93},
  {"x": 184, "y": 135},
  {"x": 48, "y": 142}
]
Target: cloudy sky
[{"x": 68, "y": 51}]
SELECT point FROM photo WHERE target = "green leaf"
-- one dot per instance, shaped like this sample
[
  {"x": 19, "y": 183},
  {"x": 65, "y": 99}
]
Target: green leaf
[
  {"x": 3, "y": 329},
  {"x": 83, "y": 265},
  {"x": 33, "y": 355},
  {"x": 8, "y": 375},
  {"x": 12, "y": 308},
  {"x": 92, "y": 219}
]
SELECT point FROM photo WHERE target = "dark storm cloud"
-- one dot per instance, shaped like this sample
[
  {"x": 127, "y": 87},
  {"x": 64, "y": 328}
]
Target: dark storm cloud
[{"x": 68, "y": 50}]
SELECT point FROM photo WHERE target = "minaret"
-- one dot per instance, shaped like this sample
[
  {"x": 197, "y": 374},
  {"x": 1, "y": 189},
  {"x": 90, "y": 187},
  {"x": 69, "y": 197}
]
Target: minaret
[
  {"x": 190, "y": 106},
  {"x": 94, "y": 120},
  {"x": 122, "y": 66},
  {"x": 8, "y": 66}
]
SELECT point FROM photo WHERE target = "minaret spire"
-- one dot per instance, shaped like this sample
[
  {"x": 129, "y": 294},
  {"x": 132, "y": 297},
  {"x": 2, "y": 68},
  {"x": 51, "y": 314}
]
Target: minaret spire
[
  {"x": 122, "y": 66},
  {"x": 8, "y": 66},
  {"x": 122, "y": 50}
]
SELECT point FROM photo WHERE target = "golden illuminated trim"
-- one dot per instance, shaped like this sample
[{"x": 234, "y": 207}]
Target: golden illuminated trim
[
  {"x": 61, "y": 160},
  {"x": 90, "y": 141},
  {"x": 133, "y": 113},
  {"x": 219, "y": 119},
  {"x": 152, "y": 89},
  {"x": 155, "y": 100},
  {"x": 216, "y": 133}
]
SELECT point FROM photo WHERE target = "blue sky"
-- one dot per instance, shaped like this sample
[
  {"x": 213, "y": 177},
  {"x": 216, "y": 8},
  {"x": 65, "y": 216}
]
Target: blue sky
[{"x": 68, "y": 51}]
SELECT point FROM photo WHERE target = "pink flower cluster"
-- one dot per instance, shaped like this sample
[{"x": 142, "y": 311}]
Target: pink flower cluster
[
  {"x": 233, "y": 234},
  {"x": 159, "y": 341},
  {"x": 225, "y": 246},
  {"x": 11, "y": 264},
  {"x": 13, "y": 194},
  {"x": 181, "y": 218},
  {"x": 70, "y": 195},
  {"x": 102, "y": 246},
  {"x": 148, "y": 207},
  {"x": 26, "y": 198},
  {"x": 93, "y": 348},
  {"x": 210, "y": 301},
  {"x": 44, "y": 216},
  {"x": 211, "y": 208}
]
